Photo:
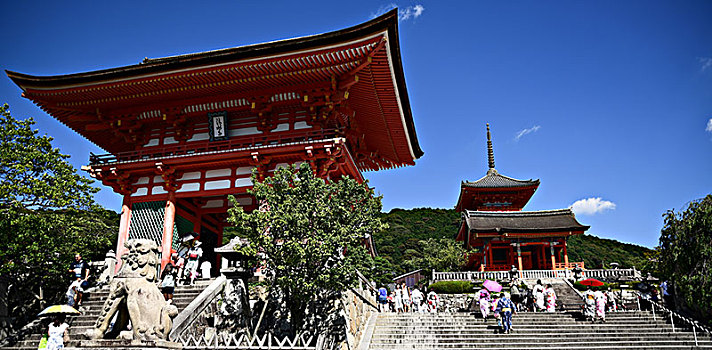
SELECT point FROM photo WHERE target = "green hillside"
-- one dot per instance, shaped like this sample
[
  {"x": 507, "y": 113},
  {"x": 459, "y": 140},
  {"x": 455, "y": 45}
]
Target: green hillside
[{"x": 407, "y": 227}]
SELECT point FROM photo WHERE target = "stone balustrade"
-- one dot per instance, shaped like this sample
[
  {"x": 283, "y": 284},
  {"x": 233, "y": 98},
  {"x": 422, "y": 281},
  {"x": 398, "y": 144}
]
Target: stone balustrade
[{"x": 533, "y": 274}]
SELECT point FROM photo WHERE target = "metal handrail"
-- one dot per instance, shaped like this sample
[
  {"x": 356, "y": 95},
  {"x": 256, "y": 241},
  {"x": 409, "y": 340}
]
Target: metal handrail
[
  {"x": 694, "y": 324},
  {"x": 211, "y": 146}
]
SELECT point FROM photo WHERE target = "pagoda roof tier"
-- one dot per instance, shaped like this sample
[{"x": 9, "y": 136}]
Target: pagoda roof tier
[
  {"x": 495, "y": 192},
  {"x": 494, "y": 179},
  {"x": 525, "y": 222},
  {"x": 355, "y": 74}
]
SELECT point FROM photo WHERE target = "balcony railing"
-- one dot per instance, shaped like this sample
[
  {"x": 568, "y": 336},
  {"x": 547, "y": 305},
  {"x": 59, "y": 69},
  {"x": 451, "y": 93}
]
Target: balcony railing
[{"x": 200, "y": 147}]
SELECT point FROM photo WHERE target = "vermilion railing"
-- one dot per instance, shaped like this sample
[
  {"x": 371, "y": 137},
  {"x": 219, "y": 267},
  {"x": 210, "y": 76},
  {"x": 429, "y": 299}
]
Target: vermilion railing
[{"x": 239, "y": 142}]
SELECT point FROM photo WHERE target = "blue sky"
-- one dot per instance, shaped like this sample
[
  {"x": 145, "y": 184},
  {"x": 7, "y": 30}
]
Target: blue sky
[{"x": 612, "y": 99}]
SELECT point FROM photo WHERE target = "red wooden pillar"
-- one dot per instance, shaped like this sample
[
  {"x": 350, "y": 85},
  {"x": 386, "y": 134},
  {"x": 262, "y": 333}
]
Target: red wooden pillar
[
  {"x": 510, "y": 256},
  {"x": 168, "y": 221},
  {"x": 566, "y": 252},
  {"x": 519, "y": 259},
  {"x": 489, "y": 251},
  {"x": 123, "y": 229}
]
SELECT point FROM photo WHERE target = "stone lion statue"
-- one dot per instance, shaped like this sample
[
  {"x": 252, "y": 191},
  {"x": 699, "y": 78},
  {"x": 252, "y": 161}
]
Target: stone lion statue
[{"x": 135, "y": 296}]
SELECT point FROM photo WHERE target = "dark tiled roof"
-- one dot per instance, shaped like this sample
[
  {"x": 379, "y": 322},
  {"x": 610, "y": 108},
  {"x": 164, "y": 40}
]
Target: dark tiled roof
[
  {"x": 494, "y": 179},
  {"x": 523, "y": 221}
]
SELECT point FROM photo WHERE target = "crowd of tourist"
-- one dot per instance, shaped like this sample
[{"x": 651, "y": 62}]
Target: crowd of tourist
[
  {"x": 405, "y": 299},
  {"x": 598, "y": 303}
]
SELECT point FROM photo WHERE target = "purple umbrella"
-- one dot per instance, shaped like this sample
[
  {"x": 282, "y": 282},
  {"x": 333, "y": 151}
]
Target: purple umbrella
[{"x": 492, "y": 286}]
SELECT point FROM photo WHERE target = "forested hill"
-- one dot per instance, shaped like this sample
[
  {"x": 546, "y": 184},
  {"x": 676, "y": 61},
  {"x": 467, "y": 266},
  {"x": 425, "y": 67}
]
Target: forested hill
[{"x": 399, "y": 242}]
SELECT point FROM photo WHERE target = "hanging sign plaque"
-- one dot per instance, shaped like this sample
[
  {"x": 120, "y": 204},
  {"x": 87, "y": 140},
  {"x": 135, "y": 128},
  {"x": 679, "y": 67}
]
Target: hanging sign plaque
[{"x": 218, "y": 126}]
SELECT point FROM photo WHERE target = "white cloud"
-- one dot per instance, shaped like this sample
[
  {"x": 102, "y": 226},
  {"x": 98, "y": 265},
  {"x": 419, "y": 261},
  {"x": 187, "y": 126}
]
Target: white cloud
[
  {"x": 706, "y": 63},
  {"x": 709, "y": 125},
  {"x": 526, "y": 131},
  {"x": 404, "y": 14},
  {"x": 593, "y": 205}
]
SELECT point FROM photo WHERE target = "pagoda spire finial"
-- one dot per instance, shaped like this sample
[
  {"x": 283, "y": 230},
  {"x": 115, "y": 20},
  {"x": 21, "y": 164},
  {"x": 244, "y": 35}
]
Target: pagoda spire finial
[{"x": 490, "y": 152}]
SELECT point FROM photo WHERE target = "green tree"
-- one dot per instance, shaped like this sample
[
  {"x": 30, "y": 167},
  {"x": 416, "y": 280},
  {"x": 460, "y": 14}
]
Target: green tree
[
  {"x": 444, "y": 254},
  {"x": 311, "y": 232},
  {"x": 685, "y": 255},
  {"x": 47, "y": 214},
  {"x": 33, "y": 174}
]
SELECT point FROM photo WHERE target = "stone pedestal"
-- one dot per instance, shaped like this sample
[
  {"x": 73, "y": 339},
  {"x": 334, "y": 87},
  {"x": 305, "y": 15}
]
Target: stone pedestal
[{"x": 120, "y": 344}]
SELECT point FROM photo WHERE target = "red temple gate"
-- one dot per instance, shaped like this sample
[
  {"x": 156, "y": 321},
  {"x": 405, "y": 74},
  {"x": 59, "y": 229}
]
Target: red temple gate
[{"x": 184, "y": 132}]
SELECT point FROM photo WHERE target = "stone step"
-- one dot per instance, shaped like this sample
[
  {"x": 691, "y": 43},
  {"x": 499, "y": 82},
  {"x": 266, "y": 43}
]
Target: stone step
[
  {"x": 451, "y": 315},
  {"x": 453, "y": 331},
  {"x": 514, "y": 344},
  {"x": 522, "y": 330},
  {"x": 464, "y": 326},
  {"x": 532, "y": 323},
  {"x": 91, "y": 308},
  {"x": 517, "y": 335},
  {"x": 561, "y": 315},
  {"x": 688, "y": 345}
]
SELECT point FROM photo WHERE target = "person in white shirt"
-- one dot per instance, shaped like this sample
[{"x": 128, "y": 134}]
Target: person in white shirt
[
  {"x": 57, "y": 333},
  {"x": 73, "y": 292},
  {"x": 205, "y": 267},
  {"x": 417, "y": 298}
]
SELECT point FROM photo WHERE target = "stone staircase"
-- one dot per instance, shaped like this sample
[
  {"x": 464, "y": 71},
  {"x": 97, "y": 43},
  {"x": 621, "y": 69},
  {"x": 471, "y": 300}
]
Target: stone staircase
[
  {"x": 91, "y": 309},
  {"x": 625, "y": 330},
  {"x": 566, "y": 298}
]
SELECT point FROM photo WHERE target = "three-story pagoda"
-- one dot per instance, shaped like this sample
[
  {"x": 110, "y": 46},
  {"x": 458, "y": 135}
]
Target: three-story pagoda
[{"x": 498, "y": 234}]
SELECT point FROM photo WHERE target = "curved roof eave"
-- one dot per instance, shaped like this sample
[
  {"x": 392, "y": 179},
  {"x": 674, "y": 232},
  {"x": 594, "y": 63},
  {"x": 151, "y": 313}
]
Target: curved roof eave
[{"x": 387, "y": 21}]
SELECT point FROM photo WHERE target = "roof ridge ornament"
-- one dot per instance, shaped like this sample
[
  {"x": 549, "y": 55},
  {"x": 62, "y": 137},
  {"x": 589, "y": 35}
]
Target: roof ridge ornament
[{"x": 490, "y": 151}]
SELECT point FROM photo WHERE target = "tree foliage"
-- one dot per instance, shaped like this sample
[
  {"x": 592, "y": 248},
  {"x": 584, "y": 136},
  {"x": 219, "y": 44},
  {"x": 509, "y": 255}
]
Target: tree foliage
[
  {"x": 685, "y": 255},
  {"x": 444, "y": 254},
  {"x": 598, "y": 252},
  {"x": 47, "y": 214},
  {"x": 310, "y": 231},
  {"x": 407, "y": 228},
  {"x": 38, "y": 247},
  {"x": 33, "y": 174},
  {"x": 401, "y": 242}
]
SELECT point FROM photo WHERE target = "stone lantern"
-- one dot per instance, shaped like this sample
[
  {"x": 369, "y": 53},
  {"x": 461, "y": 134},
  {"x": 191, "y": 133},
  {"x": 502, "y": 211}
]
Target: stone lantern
[{"x": 235, "y": 263}]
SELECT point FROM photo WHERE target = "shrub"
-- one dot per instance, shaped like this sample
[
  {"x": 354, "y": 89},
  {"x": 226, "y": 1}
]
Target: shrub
[{"x": 452, "y": 287}]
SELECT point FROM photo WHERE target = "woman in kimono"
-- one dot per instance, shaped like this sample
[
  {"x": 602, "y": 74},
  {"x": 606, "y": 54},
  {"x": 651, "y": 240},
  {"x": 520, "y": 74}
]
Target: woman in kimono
[
  {"x": 550, "y": 298},
  {"x": 493, "y": 306},
  {"x": 483, "y": 298},
  {"x": 505, "y": 308},
  {"x": 590, "y": 305},
  {"x": 538, "y": 292},
  {"x": 600, "y": 305}
]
